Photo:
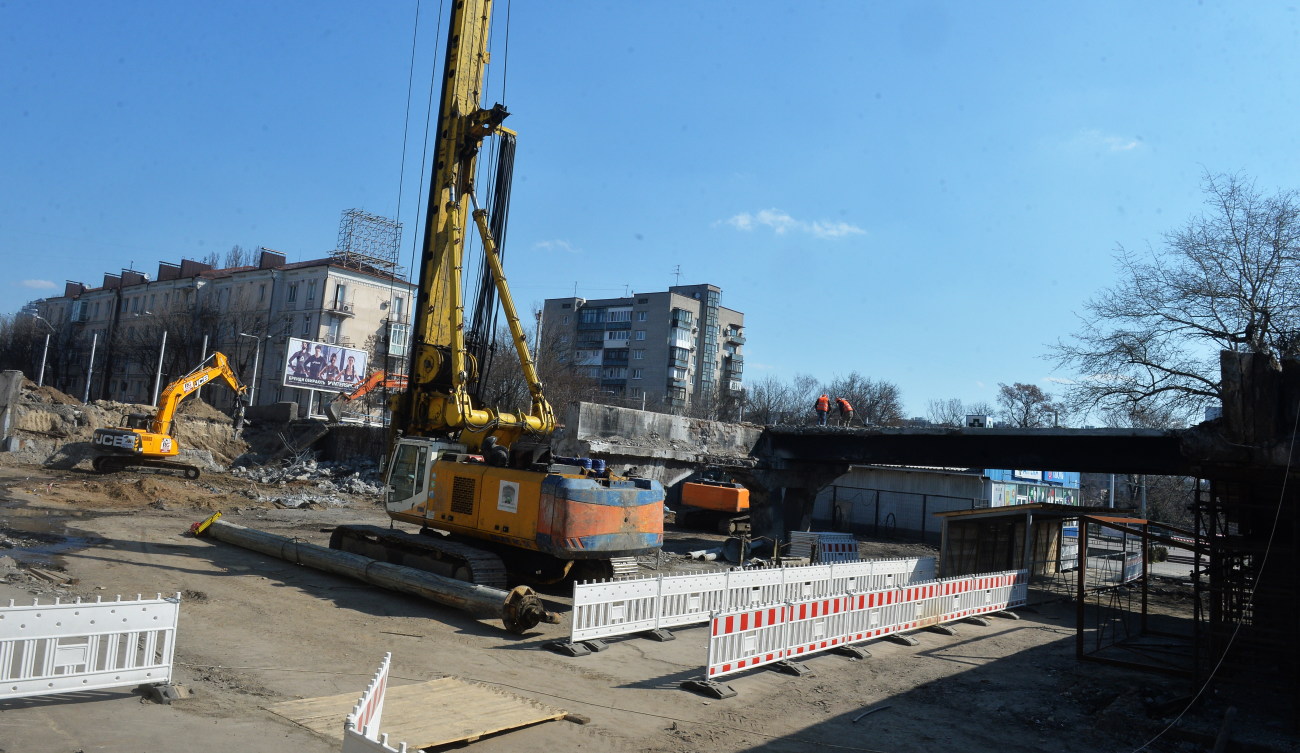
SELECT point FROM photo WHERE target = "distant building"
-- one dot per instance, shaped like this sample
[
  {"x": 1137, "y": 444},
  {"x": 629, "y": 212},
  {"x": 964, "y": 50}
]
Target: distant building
[
  {"x": 901, "y": 501},
  {"x": 237, "y": 311},
  {"x": 670, "y": 350}
]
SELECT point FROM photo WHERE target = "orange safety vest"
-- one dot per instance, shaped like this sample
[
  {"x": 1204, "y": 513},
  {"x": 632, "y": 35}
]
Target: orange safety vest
[
  {"x": 823, "y": 403},
  {"x": 844, "y": 405}
]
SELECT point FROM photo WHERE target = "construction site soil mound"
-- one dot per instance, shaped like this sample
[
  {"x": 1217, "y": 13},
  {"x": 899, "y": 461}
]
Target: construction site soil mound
[{"x": 56, "y": 429}]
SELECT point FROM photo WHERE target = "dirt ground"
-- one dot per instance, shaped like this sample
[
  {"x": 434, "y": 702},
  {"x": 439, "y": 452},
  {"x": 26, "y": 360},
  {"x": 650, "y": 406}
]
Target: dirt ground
[{"x": 256, "y": 631}]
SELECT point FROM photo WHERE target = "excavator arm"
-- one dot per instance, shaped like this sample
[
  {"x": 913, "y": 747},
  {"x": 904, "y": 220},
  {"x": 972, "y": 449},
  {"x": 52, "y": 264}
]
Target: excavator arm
[{"x": 216, "y": 366}]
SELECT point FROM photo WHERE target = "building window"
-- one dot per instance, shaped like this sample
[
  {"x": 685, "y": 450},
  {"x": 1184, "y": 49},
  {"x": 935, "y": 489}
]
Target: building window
[
  {"x": 399, "y": 303},
  {"x": 261, "y": 292},
  {"x": 620, "y": 315},
  {"x": 615, "y": 372},
  {"x": 638, "y": 355},
  {"x": 340, "y": 295},
  {"x": 591, "y": 316},
  {"x": 306, "y": 324},
  {"x": 311, "y": 290},
  {"x": 678, "y": 373},
  {"x": 293, "y": 292},
  {"x": 564, "y": 319},
  {"x": 618, "y": 334},
  {"x": 564, "y": 339},
  {"x": 640, "y": 334},
  {"x": 636, "y": 374},
  {"x": 643, "y": 300},
  {"x": 635, "y": 391},
  {"x": 566, "y": 305},
  {"x": 641, "y": 315}
]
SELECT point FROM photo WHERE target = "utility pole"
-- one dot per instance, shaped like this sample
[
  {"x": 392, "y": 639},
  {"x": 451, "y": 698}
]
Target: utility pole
[
  {"x": 90, "y": 367},
  {"x": 157, "y": 377}
]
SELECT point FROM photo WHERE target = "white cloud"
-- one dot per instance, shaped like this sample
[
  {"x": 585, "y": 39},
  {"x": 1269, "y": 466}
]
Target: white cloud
[
  {"x": 564, "y": 246},
  {"x": 781, "y": 223},
  {"x": 38, "y": 284},
  {"x": 1095, "y": 140}
]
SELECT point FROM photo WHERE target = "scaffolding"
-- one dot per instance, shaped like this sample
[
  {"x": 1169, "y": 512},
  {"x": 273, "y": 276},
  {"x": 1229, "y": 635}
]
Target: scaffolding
[{"x": 369, "y": 243}]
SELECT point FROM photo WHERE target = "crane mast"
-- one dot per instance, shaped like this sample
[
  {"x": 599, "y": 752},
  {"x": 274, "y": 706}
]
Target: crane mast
[{"x": 438, "y": 401}]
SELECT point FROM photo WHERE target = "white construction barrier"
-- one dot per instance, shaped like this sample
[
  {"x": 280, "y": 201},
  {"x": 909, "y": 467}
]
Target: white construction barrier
[
  {"x": 619, "y": 607},
  {"x": 68, "y": 647},
  {"x": 769, "y": 633},
  {"x": 361, "y": 727}
]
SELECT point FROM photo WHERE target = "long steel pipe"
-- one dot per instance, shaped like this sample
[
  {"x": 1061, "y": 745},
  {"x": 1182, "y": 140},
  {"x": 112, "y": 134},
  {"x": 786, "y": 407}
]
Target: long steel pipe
[{"x": 520, "y": 610}]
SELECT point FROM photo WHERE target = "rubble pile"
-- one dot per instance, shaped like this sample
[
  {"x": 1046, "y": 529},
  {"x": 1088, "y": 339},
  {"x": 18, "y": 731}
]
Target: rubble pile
[{"x": 360, "y": 477}]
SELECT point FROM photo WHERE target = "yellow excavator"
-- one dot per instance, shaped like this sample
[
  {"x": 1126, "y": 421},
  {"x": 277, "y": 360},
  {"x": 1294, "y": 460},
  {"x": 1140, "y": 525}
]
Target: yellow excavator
[
  {"x": 479, "y": 481},
  {"x": 146, "y": 441}
]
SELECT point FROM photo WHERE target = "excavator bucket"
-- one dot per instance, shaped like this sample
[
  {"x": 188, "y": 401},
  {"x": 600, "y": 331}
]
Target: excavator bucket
[{"x": 334, "y": 409}]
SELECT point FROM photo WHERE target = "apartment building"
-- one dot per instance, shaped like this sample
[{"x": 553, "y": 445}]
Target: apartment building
[
  {"x": 112, "y": 337},
  {"x": 670, "y": 350}
]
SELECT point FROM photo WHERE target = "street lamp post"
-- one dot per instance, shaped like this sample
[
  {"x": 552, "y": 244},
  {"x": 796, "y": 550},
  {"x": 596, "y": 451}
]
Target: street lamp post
[
  {"x": 90, "y": 367},
  {"x": 45, "y": 352},
  {"x": 257, "y": 351},
  {"x": 157, "y": 377}
]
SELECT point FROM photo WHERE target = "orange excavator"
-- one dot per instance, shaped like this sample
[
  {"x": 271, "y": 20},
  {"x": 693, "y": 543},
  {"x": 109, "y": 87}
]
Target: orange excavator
[
  {"x": 377, "y": 380},
  {"x": 712, "y": 502}
]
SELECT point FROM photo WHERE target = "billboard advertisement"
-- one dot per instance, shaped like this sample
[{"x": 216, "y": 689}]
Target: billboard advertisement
[{"x": 310, "y": 365}]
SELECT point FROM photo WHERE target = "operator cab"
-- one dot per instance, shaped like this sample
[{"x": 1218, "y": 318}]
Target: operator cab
[{"x": 138, "y": 420}]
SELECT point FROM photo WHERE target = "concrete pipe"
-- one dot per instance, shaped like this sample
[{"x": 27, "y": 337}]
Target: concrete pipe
[{"x": 520, "y": 610}]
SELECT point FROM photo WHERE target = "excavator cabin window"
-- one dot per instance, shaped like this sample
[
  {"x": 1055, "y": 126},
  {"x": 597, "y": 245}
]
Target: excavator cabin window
[
  {"x": 138, "y": 421},
  {"x": 407, "y": 478}
]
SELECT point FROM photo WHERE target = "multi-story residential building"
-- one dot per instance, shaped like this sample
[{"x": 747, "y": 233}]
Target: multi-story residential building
[
  {"x": 111, "y": 337},
  {"x": 673, "y": 349}
]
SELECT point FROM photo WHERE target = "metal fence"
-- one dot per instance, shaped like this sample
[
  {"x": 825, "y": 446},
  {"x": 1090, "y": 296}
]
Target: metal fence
[
  {"x": 883, "y": 513},
  {"x": 764, "y": 634},
  {"x": 602, "y": 609},
  {"x": 74, "y": 646}
]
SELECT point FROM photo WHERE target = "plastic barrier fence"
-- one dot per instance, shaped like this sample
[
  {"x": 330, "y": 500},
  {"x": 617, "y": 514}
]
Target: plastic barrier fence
[
  {"x": 61, "y": 648},
  {"x": 606, "y": 608},
  {"x": 754, "y": 636},
  {"x": 361, "y": 727}
]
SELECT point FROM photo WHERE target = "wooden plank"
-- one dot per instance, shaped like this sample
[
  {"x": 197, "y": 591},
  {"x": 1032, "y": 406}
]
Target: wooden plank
[{"x": 437, "y": 712}]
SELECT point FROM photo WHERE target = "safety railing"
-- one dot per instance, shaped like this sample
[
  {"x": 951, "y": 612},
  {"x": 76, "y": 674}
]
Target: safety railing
[
  {"x": 602, "y": 609},
  {"x": 361, "y": 727},
  {"x": 67, "y": 647},
  {"x": 754, "y": 636}
]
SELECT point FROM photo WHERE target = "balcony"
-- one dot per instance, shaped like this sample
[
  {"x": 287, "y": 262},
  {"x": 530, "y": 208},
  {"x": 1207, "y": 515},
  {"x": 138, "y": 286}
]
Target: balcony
[
  {"x": 735, "y": 337},
  {"x": 341, "y": 308},
  {"x": 591, "y": 325}
]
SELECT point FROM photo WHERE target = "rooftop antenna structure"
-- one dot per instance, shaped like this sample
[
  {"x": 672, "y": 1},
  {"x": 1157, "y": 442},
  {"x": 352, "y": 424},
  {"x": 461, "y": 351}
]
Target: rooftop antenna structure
[
  {"x": 677, "y": 272},
  {"x": 369, "y": 243}
]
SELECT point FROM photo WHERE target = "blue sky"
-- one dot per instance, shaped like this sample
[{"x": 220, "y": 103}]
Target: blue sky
[{"x": 922, "y": 192}]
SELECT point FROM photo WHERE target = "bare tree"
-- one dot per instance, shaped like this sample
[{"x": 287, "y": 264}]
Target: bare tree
[
  {"x": 950, "y": 412},
  {"x": 1227, "y": 280},
  {"x": 875, "y": 402},
  {"x": 1026, "y": 406}
]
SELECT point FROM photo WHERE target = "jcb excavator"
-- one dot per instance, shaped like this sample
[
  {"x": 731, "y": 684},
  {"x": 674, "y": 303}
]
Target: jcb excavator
[
  {"x": 146, "y": 441},
  {"x": 526, "y": 514}
]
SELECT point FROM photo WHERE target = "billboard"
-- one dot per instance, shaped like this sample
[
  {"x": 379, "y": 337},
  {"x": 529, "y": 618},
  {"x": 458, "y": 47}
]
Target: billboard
[{"x": 311, "y": 365}]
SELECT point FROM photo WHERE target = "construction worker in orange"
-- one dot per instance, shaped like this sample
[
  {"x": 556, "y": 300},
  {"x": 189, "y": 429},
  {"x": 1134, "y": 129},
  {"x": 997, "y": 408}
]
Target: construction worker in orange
[
  {"x": 846, "y": 411},
  {"x": 822, "y": 406}
]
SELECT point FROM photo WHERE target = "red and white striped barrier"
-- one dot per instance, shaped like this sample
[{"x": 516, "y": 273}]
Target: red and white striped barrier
[
  {"x": 361, "y": 727},
  {"x": 620, "y": 607},
  {"x": 747, "y": 639},
  {"x": 755, "y": 636}
]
